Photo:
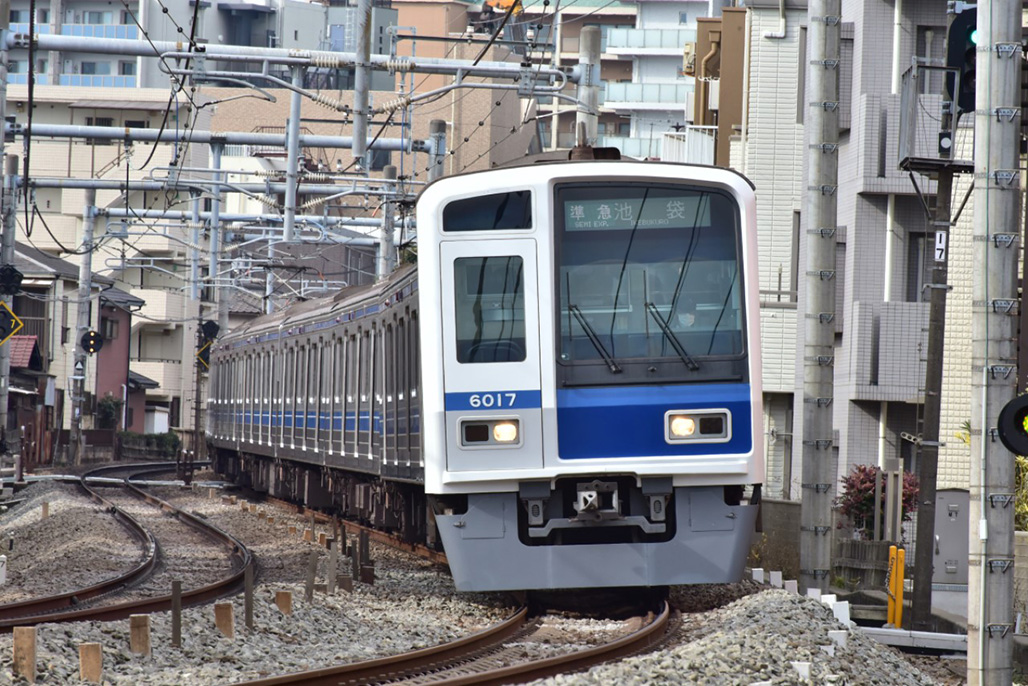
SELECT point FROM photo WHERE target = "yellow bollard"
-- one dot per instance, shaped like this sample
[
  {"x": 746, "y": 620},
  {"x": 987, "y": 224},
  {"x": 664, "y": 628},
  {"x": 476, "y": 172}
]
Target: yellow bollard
[
  {"x": 890, "y": 587},
  {"x": 901, "y": 570}
]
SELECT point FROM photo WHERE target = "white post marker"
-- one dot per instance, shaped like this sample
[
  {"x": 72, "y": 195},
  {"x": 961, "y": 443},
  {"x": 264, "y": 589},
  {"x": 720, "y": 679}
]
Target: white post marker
[{"x": 3, "y": 570}]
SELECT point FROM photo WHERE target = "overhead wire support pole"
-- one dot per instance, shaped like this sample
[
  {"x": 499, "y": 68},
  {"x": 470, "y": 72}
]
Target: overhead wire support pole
[
  {"x": 587, "y": 114},
  {"x": 819, "y": 471},
  {"x": 996, "y": 249},
  {"x": 216, "y": 242},
  {"x": 361, "y": 85},
  {"x": 293, "y": 157},
  {"x": 9, "y": 199}
]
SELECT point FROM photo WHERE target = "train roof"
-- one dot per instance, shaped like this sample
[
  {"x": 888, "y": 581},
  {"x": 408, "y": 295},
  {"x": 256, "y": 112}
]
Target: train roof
[
  {"x": 314, "y": 308},
  {"x": 563, "y": 157}
]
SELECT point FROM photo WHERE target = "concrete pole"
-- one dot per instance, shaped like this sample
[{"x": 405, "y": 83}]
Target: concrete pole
[
  {"x": 437, "y": 153},
  {"x": 220, "y": 296},
  {"x": 924, "y": 553},
  {"x": 587, "y": 117},
  {"x": 819, "y": 469},
  {"x": 75, "y": 445},
  {"x": 361, "y": 85},
  {"x": 10, "y": 229},
  {"x": 9, "y": 201},
  {"x": 292, "y": 156},
  {"x": 386, "y": 262},
  {"x": 996, "y": 249}
]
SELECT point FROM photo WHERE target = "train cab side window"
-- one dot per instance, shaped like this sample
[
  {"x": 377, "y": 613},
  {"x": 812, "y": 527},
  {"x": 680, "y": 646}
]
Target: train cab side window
[
  {"x": 496, "y": 212},
  {"x": 489, "y": 299}
]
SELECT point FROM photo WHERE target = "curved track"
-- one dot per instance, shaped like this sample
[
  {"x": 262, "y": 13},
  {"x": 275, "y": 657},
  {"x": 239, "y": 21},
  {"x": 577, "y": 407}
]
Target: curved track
[
  {"x": 67, "y": 607},
  {"x": 492, "y": 656}
]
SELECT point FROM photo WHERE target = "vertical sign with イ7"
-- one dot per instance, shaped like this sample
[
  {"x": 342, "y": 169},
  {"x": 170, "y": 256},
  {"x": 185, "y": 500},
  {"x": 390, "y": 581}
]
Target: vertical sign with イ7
[{"x": 941, "y": 238}]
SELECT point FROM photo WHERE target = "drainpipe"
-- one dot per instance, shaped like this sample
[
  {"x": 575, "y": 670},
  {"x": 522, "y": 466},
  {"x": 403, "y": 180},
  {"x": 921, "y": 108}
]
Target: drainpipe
[
  {"x": 780, "y": 33},
  {"x": 746, "y": 93}
]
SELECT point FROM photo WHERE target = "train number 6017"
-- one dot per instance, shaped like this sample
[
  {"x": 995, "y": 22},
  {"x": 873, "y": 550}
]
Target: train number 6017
[{"x": 490, "y": 400}]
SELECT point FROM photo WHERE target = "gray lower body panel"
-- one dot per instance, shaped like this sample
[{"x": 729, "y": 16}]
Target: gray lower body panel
[{"x": 711, "y": 543}]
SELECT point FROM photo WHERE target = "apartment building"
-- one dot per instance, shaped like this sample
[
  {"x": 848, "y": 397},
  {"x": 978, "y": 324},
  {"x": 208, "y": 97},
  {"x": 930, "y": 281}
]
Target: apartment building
[{"x": 272, "y": 23}]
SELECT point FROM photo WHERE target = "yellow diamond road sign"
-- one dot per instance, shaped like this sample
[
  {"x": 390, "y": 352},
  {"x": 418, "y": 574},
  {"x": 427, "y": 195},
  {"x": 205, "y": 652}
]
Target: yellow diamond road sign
[{"x": 9, "y": 323}]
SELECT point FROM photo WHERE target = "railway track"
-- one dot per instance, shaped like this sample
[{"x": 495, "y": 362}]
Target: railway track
[
  {"x": 83, "y": 604},
  {"x": 495, "y": 655}
]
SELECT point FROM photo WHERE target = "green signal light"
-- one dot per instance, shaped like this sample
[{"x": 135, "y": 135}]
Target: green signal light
[
  {"x": 1024, "y": 423},
  {"x": 973, "y": 36}
]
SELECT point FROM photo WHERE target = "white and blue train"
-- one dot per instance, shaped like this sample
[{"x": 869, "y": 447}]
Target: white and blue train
[{"x": 565, "y": 392}]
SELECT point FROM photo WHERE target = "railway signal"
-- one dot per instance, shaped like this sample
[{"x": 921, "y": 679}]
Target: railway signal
[
  {"x": 1013, "y": 425},
  {"x": 92, "y": 342},
  {"x": 10, "y": 280},
  {"x": 961, "y": 55}
]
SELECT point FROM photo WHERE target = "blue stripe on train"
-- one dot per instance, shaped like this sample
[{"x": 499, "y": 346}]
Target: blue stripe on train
[{"x": 628, "y": 421}]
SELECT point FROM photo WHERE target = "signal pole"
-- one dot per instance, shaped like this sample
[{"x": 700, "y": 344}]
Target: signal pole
[
  {"x": 75, "y": 445},
  {"x": 819, "y": 470}
]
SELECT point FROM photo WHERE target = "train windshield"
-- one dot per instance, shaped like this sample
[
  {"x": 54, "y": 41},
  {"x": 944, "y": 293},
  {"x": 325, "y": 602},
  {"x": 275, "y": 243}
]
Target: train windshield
[{"x": 649, "y": 273}]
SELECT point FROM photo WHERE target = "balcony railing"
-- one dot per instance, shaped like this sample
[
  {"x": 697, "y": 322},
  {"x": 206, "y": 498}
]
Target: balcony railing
[
  {"x": 41, "y": 79},
  {"x": 694, "y": 145},
  {"x": 632, "y": 147},
  {"x": 663, "y": 40},
  {"x": 100, "y": 30},
  {"x": 41, "y": 29},
  {"x": 97, "y": 80},
  {"x": 654, "y": 94}
]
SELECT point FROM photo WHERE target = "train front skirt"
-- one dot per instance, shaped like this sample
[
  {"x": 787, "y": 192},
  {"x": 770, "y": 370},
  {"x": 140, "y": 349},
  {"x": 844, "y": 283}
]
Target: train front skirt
[{"x": 710, "y": 545}]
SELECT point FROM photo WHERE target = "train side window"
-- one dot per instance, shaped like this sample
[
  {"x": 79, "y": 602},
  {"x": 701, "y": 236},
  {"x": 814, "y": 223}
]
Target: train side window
[
  {"x": 489, "y": 294},
  {"x": 495, "y": 212}
]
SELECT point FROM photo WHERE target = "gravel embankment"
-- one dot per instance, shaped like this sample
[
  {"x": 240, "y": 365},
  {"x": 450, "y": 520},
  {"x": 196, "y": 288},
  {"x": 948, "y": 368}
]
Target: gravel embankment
[{"x": 752, "y": 637}]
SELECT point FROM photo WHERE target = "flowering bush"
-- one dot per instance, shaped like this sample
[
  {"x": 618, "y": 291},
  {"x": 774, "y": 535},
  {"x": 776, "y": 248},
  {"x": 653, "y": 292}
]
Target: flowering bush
[{"x": 858, "y": 496}]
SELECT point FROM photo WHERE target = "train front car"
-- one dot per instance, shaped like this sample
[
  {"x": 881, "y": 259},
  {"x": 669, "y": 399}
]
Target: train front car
[{"x": 592, "y": 385}]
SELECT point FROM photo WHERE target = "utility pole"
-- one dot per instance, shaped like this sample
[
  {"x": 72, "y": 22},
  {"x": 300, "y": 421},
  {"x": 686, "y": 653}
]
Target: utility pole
[
  {"x": 386, "y": 262},
  {"x": 924, "y": 553},
  {"x": 587, "y": 115},
  {"x": 437, "y": 152},
  {"x": 819, "y": 471},
  {"x": 9, "y": 201},
  {"x": 81, "y": 327},
  {"x": 996, "y": 252}
]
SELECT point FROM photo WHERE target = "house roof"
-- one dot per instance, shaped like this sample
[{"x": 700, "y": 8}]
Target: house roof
[
  {"x": 120, "y": 298},
  {"x": 22, "y": 348},
  {"x": 136, "y": 381},
  {"x": 34, "y": 262}
]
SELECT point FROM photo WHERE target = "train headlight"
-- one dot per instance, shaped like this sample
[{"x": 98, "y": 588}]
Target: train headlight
[
  {"x": 505, "y": 432},
  {"x": 682, "y": 426},
  {"x": 485, "y": 433},
  {"x": 698, "y": 426}
]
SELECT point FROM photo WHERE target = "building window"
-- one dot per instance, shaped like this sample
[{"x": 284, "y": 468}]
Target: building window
[
  {"x": 916, "y": 269},
  {"x": 42, "y": 16},
  {"x": 625, "y": 128},
  {"x": 41, "y": 66},
  {"x": 96, "y": 68},
  {"x": 136, "y": 124},
  {"x": 17, "y": 67},
  {"x": 108, "y": 329},
  {"x": 19, "y": 16},
  {"x": 97, "y": 17},
  {"x": 683, "y": 17},
  {"x": 127, "y": 68}
]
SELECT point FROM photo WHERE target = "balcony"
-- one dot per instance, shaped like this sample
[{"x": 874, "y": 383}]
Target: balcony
[
  {"x": 631, "y": 146},
  {"x": 167, "y": 373},
  {"x": 97, "y": 80},
  {"x": 647, "y": 96},
  {"x": 100, "y": 31},
  {"x": 636, "y": 42},
  {"x": 161, "y": 304},
  {"x": 694, "y": 145}
]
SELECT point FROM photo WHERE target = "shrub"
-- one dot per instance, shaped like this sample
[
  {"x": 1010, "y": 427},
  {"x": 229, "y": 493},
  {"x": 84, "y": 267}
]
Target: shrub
[
  {"x": 858, "y": 495},
  {"x": 108, "y": 412}
]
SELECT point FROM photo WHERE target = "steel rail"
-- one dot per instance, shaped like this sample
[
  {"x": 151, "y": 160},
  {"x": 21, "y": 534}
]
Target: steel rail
[
  {"x": 372, "y": 670},
  {"x": 432, "y": 661},
  {"x": 227, "y": 586}
]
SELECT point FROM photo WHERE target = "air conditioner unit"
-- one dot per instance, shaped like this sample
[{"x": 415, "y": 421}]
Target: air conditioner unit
[
  {"x": 690, "y": 110},
  {"x": 714, "y": 96}
]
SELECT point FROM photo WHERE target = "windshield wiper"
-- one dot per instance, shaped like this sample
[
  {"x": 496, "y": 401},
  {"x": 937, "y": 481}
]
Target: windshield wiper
[
  {"x": 614, "y": 367},
  {"x": 672, "y": 338}
]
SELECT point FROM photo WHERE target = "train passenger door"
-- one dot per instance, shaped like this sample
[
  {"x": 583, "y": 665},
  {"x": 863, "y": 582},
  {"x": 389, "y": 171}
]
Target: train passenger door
[{"x": 491, "y": 374}]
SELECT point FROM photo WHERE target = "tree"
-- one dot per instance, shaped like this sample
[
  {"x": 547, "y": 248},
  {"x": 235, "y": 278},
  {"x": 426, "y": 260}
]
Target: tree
[
  {"x": 858, "y": 495},
  {"x": 108, "y": 412}
]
